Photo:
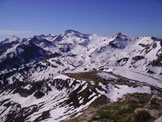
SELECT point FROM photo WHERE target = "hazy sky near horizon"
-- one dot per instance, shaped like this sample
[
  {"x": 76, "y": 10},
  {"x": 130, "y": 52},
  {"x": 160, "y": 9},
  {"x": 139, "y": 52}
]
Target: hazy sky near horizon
[{"x": 25, "y": 18}]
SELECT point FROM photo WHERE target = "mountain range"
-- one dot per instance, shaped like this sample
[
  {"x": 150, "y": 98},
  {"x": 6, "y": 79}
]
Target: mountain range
[{"x": 60, "y": 77}]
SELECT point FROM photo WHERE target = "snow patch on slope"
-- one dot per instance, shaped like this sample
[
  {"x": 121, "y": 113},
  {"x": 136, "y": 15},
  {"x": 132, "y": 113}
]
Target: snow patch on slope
[
  {"x": 117, "y": 91},
  {"x": 138, "y": 76}
]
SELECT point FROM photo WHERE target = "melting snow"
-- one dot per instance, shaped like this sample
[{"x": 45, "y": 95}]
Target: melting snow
[
  {"x": 63, "y": 77},
  {"x": 106, "y": 76},
  {"x": 117, "y": 91},
  {"x": 139, "y": 77}
]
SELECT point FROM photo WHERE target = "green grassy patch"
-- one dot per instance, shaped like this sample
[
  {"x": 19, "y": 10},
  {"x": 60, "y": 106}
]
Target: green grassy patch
[{"x": 123, "y": 111}]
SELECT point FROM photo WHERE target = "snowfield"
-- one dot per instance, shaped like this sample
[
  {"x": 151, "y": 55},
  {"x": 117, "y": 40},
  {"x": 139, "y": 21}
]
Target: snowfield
[{"x": 117, "y": 91}]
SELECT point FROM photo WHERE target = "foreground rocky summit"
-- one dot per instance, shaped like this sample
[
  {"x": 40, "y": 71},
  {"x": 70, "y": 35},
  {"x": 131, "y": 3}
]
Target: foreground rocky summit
[{"x": 64, "y": 77}]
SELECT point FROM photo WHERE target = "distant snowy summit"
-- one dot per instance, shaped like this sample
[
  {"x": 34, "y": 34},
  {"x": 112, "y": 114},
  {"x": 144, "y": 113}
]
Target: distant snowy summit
[{"x": 120, "y": 40}]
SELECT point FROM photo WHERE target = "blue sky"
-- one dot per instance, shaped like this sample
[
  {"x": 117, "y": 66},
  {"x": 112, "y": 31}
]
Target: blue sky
[{"x": 25, "y": 18}]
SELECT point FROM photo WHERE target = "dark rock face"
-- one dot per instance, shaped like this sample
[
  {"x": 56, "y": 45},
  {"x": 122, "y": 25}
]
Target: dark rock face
[
  {"x": 157, "y": 62},
  {"x": 24, "y": 54},
  {"x": 142, "y": 115},
  {"x": 114, "y": 44},
  {"x": 5, "y": 46},
  {"x": 35, "y": 40},
  {"x": 155, "y": 100},
  {"x": 136, "y": 58},
  {"x": 156, "y": 39},
  {"x": 122, "y": 61},
  {"x": 39, "y": 94},
  {"x": 65, "y": 48},
  {"x": 53, "y": 55},
  {"x": 58, "y": 39},
  {"x": 17, "y": 113}
]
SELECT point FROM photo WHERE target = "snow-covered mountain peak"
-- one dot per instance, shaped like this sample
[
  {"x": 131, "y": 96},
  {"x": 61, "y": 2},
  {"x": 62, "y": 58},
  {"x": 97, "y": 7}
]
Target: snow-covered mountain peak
[
  {"x": 71, "y": 31},
  {"x": 11, "y": 40},
  {"x": 123, "y": 37},
  {"x": 120, "y": 34},
  {"x": 121, "y": 40}
]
